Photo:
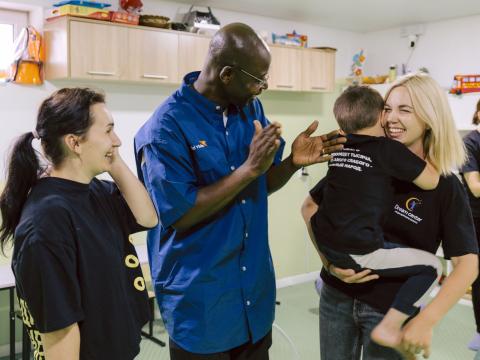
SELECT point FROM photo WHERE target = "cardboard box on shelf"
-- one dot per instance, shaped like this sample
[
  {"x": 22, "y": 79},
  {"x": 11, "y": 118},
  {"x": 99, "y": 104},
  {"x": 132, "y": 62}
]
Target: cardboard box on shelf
[{"x": 78, "y": 10}]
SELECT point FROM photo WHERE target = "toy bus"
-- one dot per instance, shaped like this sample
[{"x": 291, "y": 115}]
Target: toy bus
[{"x": 465, "y": 84}]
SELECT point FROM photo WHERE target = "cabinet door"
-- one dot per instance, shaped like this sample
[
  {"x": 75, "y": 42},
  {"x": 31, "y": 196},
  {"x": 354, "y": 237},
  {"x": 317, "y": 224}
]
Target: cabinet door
[
  {"x": 192, "y": 51},
  {"x": 318, "y": 70},
  {"x": 152, "y": 56},
  {"x": 285, "y": 69},
  {"x": 97, "y": 51}
]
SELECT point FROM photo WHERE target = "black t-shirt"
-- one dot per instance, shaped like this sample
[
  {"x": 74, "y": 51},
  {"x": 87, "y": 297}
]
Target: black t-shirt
[
  {"x": 358, "y": 191},
  {"x": 472, "y": 144},
  {"x": 73, "y": 262},
  {"x": 419, "y": 219}
]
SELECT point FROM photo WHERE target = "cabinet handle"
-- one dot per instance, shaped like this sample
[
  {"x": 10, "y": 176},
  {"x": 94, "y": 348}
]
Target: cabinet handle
[
  {"x": 285, "y": 86},
  {"x": 103, "y": 73},
  {"x": 318, "y": 87},
  {"x": 152, "y": 76}
]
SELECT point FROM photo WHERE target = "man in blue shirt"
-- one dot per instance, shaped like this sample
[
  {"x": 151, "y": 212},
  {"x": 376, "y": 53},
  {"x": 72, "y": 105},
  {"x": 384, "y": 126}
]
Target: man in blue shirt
[{"x": 209, "y": 158}]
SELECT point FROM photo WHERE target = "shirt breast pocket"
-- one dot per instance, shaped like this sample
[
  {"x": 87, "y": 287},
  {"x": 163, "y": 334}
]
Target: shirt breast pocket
[{"x": 211, "y": 166}]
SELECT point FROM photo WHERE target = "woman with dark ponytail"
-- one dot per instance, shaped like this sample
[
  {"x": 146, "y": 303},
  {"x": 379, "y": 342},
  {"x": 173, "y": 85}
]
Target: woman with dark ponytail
[
  {"x": 79, "y": 284},
  {"x": 471, "y": 179}
]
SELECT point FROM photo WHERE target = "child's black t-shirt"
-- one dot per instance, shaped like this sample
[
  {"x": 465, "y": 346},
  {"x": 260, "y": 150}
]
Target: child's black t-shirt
[
  {"x": 73, "y": 263},
  {"x": 358, "y": 190}
]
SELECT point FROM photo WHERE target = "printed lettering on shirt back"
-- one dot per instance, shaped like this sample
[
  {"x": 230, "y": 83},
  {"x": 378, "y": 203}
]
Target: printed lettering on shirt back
[{"x": 350, "y": 158}]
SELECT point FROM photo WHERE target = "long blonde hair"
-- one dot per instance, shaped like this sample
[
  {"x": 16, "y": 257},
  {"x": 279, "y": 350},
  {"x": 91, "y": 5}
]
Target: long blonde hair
[{"x": 442, "y": 144}]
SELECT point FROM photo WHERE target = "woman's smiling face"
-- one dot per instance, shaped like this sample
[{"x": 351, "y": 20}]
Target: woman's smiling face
[{"x": 401, "y": 122}]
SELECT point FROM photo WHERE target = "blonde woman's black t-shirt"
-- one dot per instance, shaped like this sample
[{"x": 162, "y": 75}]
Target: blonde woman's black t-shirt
[
  {"x": 358, "y": 190},
  {"x": 73, "y": 263}
]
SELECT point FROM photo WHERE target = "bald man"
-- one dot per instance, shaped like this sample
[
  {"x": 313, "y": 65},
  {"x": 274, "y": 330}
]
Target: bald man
[{"x": 209, "y": 157}]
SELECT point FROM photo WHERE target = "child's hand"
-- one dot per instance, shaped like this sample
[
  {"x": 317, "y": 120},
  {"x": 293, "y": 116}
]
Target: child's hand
[{"x": 417, "y": 336}]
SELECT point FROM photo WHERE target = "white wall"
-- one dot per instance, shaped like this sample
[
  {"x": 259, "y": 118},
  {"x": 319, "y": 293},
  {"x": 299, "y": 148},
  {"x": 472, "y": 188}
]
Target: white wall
[{"x": 446, "y": 48}]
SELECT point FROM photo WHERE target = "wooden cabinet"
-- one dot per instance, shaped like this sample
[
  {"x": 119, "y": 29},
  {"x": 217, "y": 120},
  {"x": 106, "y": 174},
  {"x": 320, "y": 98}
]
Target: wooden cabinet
[
  {"x": 152, "y": 56},
  {"x": 299, "y": 69},
  {"x": 192, "y": 51},
  {"x": 318, "y": 70},
  {"x": 78, "y": 48},
  {"x": 86, "y": 49},
  {"x": 285, "y": 69},
  {"x": 97, "y": 51}
]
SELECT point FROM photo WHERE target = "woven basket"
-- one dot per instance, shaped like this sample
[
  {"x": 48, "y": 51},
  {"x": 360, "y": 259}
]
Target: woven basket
[{"x": 154, "y": 21}]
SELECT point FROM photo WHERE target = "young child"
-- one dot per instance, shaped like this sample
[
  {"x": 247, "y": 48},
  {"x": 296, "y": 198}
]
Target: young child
[{"x": 357, "y": 191}]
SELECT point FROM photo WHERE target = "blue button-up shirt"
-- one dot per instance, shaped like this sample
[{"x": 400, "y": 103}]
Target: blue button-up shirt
[{"x": 215, "y": 282}]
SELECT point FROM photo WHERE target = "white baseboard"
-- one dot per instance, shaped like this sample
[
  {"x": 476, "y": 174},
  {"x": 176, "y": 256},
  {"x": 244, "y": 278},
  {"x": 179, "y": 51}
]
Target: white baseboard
[
  {"x": 297, "y": 279},
  {"x": 5, "y": 349}
]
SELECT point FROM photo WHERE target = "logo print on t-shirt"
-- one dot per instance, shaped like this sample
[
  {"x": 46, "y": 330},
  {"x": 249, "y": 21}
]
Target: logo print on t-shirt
[
  {"x": 412, "y": 202},
  {"x": 407, "y": 212}
]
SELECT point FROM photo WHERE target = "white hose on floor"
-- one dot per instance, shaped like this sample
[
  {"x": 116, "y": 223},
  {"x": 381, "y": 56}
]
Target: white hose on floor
[{"x": 296, "y": 355}]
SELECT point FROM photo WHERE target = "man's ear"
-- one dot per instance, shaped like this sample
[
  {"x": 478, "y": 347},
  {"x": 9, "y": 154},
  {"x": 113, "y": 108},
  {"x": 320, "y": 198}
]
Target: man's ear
[
  {"x": 72, "y": 143},
  {"x": 226, "y": 74}
]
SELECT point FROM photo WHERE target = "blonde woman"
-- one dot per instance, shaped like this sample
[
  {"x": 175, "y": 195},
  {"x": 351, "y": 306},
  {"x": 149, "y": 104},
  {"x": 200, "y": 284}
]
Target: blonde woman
[{"x": 352, "y": 304}]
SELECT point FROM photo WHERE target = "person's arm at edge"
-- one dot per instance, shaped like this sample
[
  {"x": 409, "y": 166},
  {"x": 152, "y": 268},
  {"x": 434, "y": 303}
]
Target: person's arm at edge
[
  {"x": 472, "y": 178},
  {"x": 417, "y": 333},
  {"x": 63, "y": 344}
]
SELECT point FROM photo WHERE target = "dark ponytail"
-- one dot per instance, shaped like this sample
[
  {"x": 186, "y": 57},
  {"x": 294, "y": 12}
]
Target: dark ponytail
[
  {"x": 476, "y": 120},
  {"x": 23, "y": 170},
  {"x": 67, "y": 111}
]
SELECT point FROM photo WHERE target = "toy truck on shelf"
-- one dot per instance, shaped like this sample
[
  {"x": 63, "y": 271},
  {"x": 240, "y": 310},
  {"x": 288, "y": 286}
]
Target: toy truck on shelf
[{"x": 463, "y": 84}]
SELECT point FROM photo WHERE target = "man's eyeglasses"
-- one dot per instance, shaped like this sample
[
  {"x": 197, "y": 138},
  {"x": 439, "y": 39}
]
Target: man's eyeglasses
[{"x": 260, "y": 82}]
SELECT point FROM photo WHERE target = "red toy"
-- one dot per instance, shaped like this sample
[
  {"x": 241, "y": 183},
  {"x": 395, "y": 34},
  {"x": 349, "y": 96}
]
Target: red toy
[
  {"x": 131, "y": 6},
  {"x": 465, "y": 84}
]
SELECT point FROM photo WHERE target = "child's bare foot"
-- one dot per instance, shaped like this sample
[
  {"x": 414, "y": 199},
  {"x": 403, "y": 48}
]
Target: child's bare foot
[{"x": 388, "y": 332}]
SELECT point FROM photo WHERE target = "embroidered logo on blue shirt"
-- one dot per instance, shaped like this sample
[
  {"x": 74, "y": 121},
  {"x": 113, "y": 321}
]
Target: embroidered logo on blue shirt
[{"x": 201, "y": 144}]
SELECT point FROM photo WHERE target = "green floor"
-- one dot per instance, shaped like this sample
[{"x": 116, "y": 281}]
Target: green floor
[{"x": 297, "y": 317}]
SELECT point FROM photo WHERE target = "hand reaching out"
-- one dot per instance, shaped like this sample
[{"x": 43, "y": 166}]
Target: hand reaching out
[{"x": 308, "y": 150}]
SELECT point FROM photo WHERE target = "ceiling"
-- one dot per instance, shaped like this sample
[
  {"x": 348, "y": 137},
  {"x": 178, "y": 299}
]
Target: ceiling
[{"x": 353, "y": 15}]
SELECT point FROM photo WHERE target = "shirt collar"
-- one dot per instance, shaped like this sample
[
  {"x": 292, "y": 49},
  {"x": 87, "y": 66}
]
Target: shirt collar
[{"x": 203, "y": 104}]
